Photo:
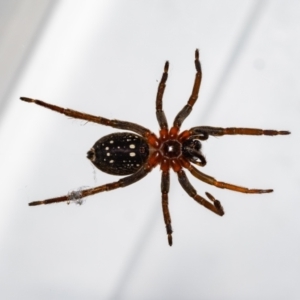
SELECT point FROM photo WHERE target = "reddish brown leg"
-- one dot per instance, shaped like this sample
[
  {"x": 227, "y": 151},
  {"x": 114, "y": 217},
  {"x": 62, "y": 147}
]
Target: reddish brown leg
[
  {"x": 216, "y": 202},
  {"x": 90, "y": 118},
  {"x": 78, "y": 195},
  {"x": 165, "y": 186},
  {"x": 160, "y": 114},
  {"x": 218, "y": 131},
  {"x": 194, "y": 96},
  {"x": 216, "y": 207},
  {"x": 223, "y": 185}
]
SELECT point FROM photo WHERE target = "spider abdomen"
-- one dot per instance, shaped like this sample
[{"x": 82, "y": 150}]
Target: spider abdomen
[{"x": 120, "y": 153}]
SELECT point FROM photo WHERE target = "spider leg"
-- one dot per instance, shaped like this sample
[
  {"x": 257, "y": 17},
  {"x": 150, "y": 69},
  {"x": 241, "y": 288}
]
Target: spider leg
[
  {"x": 223, "y": 185},
  {"x": 160, "y": 114},
  {"x": 181, "y": 116},
  {"x": 91, "y": 118},
  {"x": 215, "y": 206},
  {"x": 218, "y": 131},
  {"x": 75, "y": 196},
  {"x": 165, "y": 186}
]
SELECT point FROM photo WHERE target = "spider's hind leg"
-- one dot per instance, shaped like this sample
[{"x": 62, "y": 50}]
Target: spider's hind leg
[
  {"x": 91, "y": 118},
  {"x": 77, "y": 196}
]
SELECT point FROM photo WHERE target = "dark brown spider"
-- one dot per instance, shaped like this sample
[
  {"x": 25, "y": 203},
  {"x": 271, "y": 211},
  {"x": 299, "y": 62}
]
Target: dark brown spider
[{"x": 136, "y": 154}]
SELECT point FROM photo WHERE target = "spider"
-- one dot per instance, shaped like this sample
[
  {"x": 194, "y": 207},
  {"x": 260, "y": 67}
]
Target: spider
[{"x": 135, "y": 153}]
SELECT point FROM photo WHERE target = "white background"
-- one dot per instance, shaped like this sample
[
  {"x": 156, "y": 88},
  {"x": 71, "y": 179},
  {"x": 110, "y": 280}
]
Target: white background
[{"x": 106, "y": 58}]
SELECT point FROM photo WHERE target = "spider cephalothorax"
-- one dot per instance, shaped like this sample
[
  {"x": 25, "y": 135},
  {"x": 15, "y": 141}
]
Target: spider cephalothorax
[{"x": 136, "y": 154}]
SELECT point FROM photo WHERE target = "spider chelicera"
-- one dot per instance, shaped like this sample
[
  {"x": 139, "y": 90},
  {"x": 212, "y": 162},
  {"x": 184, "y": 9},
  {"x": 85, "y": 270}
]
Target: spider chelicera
[{"x": 137, "y": 152}]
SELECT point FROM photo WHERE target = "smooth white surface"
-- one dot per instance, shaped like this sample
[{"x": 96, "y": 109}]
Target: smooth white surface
[{"x": 106, "y": 58}]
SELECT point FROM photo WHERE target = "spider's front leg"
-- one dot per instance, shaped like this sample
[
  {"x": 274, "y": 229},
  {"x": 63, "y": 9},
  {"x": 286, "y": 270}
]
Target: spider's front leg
[
  {"x": 215, "y": 206},
  {"x": 223, "y": 185},
  {"x": 218, "y": 131},
  {"x": 182, "y": 115},
  {"x": 78, "y": 195}
]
